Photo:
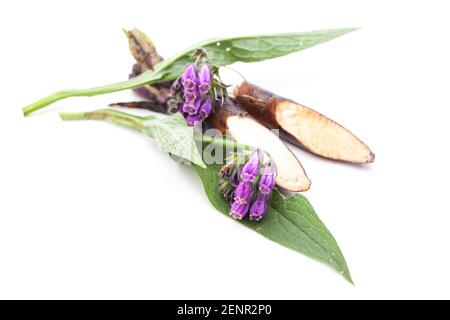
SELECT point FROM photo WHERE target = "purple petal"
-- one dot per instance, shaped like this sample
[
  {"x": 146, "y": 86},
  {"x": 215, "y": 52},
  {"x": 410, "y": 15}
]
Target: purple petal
[
  {"x": 243, "y": 193},
  {"x": 204, "y": 79},
  {"x": 239, "y": 211},
  {"x": 191, "y": 96},
  {"x": 184, "y": 108},
  {"x": 259, "y": 208},
  {"x": 267, "y": 181},
  {"x": 205, "y": 109},
  {"x": 189, "y": 77},
  {"x": 251, "y": 168},
  {"x": 192, "y": 120},
  {"x": 192, "y": 108}
]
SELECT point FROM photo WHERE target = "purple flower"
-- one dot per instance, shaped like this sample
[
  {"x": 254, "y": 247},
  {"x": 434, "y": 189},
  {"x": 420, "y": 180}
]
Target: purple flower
[
  {"x": 251, "y": 168},
  {"x": 205, "y": 109},
  {"x": 267, "y": 181},
  {"x": 190, "y": 96},
  {"x": 192, "y": 120},
  {"x": 204, "y": 76},
  {"x": 189, "y": 77},
  {"x": 243, "y": 193},
  {"x": 192, "y": 108},
  {"x": 239, "y": 211},
  {"x": 259, "y": 207}
]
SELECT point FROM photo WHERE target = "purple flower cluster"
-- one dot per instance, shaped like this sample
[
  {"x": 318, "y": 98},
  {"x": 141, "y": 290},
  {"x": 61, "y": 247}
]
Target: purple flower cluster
[
  {"x": 194, "y": 88},
  {"x": 240, "y": 184}
]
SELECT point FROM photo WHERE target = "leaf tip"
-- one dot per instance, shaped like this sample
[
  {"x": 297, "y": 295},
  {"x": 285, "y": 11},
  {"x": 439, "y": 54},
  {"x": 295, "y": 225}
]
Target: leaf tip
[
  {"x": 343, "y": 31},
  {"x": 348, "y": 277}
]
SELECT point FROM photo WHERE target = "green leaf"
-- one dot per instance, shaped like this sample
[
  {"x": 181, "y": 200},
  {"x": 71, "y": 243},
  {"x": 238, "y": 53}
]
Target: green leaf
[
  {"x": 225, "y": 51},
  {"x": 222, "y": 51},
  {"x": 174, "y": 136},
  {"x": 291, "y": 222}
]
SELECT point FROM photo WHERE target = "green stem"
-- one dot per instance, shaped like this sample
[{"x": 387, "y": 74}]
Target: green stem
[
  {"x": 111, "y": 115},
  {"x": 137, "y": 123},
  {"x": 145, "y": 78},
  {"x": 228, "y": 143}
]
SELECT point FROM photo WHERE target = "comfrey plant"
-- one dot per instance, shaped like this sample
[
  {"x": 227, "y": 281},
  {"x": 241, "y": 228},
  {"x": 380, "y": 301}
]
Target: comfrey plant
[
  {"x": 187, "y": 89},
  {"x": 247, "y": 189}
]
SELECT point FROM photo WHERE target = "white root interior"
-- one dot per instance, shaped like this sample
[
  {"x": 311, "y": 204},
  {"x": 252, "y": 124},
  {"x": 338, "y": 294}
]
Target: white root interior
[
  {"x": 321, "y": 135},
  {"x": 290, "y": 173}
]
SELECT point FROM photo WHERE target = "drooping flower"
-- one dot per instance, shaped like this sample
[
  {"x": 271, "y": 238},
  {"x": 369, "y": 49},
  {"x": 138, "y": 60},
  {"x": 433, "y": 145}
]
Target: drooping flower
[
  {"x": 189, "y": 78},
  {"x": 259, "y": 208},
  {"x": 191, "y": 95},
  {"x": 243, "y": 192},
  {"x": 184, "y": 108},
  {"x": 238, "y": 185},
  {"x": 193, "y": 108},
  {"x": 267, "y": 181},
  {"x": 239, "y": 211},
  {"x": 205, "y": 109},
  {"x": 192, "y": 120},
  {"x": 204, "y": 79},
  {"x": 251, "y": 168}
]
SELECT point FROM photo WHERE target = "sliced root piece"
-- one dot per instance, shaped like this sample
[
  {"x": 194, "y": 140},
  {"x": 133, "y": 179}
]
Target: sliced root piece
[
  {"x": 233, "y": 120},
  {"x": 303, "y": 126}
]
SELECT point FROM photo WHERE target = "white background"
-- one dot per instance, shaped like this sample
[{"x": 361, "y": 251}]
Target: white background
[{"x": 91, "y": 210}]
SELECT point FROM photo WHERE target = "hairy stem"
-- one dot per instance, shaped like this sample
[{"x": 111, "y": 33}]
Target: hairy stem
[
  {"x": 145, "y": 78},
  {"x": 138, "y": 123},
  {"x": 111, "y": 115}
]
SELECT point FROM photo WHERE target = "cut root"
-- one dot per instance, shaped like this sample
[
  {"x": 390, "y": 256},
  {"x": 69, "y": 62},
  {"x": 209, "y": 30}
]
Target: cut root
[
  {"x": 303, "y": 126},
  {"x": 233, "y": 120}
]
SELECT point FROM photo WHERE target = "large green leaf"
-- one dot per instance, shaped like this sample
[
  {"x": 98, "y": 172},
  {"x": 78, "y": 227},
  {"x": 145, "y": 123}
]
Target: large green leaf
[
  {"x": 222, "y": 51},
  {"x": 225, "y": 51},
  {"x": 291, "y": 222},
  {"x": 174, "y": 136}
]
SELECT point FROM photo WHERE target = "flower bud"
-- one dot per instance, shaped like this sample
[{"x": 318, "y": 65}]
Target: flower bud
[
  {"x": 267, "y": 181},
  {"x": 204, "y": 79},
  {"x": 239, "y": 211},
  {"x": 225, "y": 171},
  {"x": 259, "y": 208},
  {"x": 243, "y": 193},
  {"x": 205, "y": 109},
  {"x": 251, "y": 168},
  {"x": 226, "y": 189},
  {"x": 189, "y": 77},
  {"x": 234, "y": 180}
]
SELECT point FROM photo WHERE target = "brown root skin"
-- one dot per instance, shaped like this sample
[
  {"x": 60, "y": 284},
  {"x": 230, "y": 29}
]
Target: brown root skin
[
  {"x": 240, "y": 125},
  {"x": 153, "y": 106},
  {"x": 303, "y": 126}
]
